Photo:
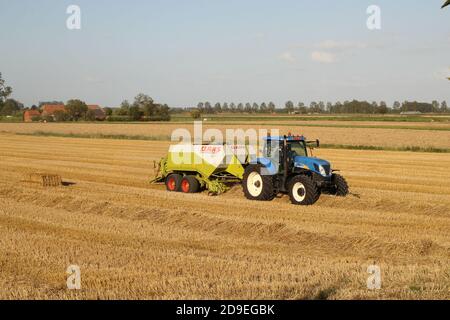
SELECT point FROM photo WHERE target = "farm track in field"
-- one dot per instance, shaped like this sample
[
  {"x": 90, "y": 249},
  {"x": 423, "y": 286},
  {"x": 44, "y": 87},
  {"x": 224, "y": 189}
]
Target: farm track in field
[{"x": 133, "y": 240}]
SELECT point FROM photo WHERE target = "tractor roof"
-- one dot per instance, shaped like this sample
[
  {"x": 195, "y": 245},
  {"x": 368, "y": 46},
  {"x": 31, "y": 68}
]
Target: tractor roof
[{"x": 288, "y": 138}]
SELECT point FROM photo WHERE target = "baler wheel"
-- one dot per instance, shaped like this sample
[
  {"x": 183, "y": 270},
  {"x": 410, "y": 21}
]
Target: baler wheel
[
  {"x": 190, "y": 184},
  {"x": 173, "y": 182}
]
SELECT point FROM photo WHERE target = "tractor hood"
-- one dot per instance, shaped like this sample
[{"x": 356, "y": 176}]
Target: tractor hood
[{"x": 313, "y": 164}]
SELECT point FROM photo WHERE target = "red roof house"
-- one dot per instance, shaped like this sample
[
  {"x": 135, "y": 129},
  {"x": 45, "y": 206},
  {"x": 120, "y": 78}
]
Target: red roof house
[
  {"x": 30, "y": 114},
  {"x": 50, "y": 109},
  {"x": 99, "y": 112}
]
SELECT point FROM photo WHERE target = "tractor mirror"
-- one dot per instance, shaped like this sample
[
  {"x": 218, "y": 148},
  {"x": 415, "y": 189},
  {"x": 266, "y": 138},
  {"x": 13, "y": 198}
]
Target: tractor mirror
[{"x": 318, "y": 143}]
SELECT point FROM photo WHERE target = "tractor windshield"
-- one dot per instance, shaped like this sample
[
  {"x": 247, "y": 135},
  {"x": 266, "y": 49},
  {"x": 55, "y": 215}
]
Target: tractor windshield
[{"x": 298, "y": 149}]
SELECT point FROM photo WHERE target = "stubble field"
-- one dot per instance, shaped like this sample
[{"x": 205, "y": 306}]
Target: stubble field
[
  {"x": 133, "y": 240},
  {"x": 371, "y": 134}
]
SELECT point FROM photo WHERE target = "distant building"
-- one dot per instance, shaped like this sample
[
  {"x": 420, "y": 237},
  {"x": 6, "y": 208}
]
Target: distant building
[
  {"x": 51, "y": 109},
  {"x": 100, "y": 114},
  {"x": 30, "y": 114}
]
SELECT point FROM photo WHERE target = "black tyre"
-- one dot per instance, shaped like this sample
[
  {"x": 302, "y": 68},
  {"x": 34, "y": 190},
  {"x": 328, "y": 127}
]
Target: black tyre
[
  {"x": 173, "y": 182},
  {"x": 257, "y": 186},
  {"x": 303, "y": 190},
  {"x": 340, "y": 187},
  {"x": 189, "y": 184}
]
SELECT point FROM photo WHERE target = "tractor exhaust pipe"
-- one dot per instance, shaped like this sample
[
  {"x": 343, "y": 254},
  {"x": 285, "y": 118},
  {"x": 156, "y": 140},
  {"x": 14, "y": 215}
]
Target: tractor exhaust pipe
[{"x": 285, "y": 163}]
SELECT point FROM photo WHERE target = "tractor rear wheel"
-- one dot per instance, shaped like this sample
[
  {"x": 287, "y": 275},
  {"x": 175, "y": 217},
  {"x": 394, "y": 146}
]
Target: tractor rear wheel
[
  {"x": 257, "y": 186},
  {"x": 190, "y": 184},
  {"x": 173, "y": 182},
  {"x": 303, "y": 190}
]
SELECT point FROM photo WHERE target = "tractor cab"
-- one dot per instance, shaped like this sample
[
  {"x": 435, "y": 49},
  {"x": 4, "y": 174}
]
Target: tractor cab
[{"x": 294, "y": 154}]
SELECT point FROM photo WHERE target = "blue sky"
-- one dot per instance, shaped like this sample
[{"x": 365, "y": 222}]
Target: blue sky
[{"x": 186, "y": 51}]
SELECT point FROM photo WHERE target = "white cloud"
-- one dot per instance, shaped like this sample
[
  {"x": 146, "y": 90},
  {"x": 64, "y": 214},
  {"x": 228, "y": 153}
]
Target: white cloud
[
  {"x": 323, "y": 57},
  {"x": 340, "y": 45},
  {"x": 335, "y": 45},
  {"x": 287, "y": 57}
]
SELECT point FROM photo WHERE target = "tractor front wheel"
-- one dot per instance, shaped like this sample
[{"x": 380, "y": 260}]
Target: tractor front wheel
[
  {"x": 340, "y": 187},
  {"x": 303, "y": 190}
]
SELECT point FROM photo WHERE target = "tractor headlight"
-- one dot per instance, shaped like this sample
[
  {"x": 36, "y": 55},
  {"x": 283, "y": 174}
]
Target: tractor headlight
[{"x": 322, "y": 171}]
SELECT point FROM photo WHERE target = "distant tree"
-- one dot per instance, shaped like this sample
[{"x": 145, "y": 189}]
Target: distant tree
[
  {"x": 135, "y": 113},
  {"x": 208, "y": 108},
  {"x": 108, "y": 111},
  {"x": 435, "y": 105},
  {"x": 196, "y": 113},
  {"x": 255, "y": 108},
  {"x": 10, "y": 107},
  {"x": 76, "y": 109},
  {"x": 383, "y": 108},
  {"x": 444, "y": 107},
  {"x": 374, "y": 107},
  {"x": 61, "y": 116},
  {"x": 289, "y": 107},
  {"x": 226, "y": 108},
  {"x": 233, "y": 107},
  {"x": 5, "y": 91},
  {"x": 34, "y": 107},
  {"x": 201, "y": 107},
  {"x": 271, "y": 107},
  {"x": 90, "y": 116},
  {"x": 163, "y": 113},
  {"x": 314, "y": 107},
  {"x": 396, "y": 106},
  {"x": 217, "y": 108},
  {"x": 145, "y": 104},
  {"x": 124, "y": 108},
  {"x": 321, "y": 107},
  {"x": 329, "y": 107},
  {"x": 240, "y": 107},
  {"x": 248, "y": 107},
  {"x": 263, "y": 108}
]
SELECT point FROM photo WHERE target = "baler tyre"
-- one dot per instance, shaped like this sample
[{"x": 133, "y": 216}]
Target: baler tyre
[
  {"x": 340, "y": 185},
  {"x": 173, "y": 182},
  {"x": 257, "y": 186},
  {"x": 189, "y": 184},
  {"x": 303, "y": 190}
]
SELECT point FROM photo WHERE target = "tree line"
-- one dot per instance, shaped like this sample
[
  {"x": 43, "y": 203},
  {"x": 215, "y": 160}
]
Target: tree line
[{"x": 354, "y": 106}]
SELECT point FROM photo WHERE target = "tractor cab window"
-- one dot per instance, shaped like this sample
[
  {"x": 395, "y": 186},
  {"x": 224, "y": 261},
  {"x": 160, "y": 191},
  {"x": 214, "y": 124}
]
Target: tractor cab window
[{"x": 298, "y": 149}]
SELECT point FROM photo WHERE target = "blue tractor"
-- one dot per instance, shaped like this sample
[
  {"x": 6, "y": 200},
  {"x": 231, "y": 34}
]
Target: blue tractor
[{"x": 287, "y": 167}]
